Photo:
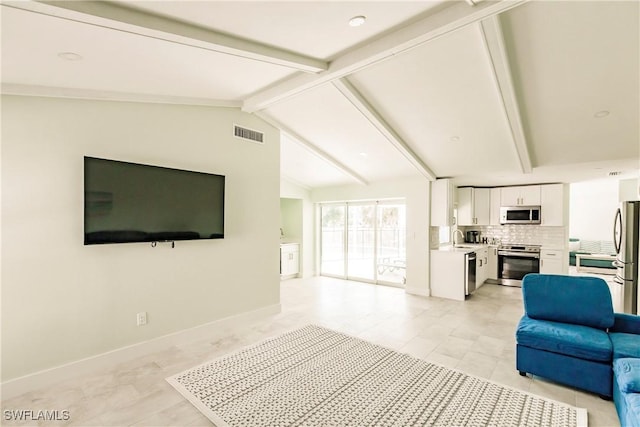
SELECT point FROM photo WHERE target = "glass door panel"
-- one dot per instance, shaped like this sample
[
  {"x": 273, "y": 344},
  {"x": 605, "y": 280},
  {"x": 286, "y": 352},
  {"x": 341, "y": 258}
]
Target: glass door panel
[
  {"x": 392, "y": 243},
  {"x": 364, "y": 241},
  {"x": 361, "y": 241},
  {"x": 333, "y": 240}
]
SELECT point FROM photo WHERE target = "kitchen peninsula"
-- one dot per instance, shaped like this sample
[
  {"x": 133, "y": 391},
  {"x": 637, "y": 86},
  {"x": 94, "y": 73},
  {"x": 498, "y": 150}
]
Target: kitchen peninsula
[{"x": 457, "y": 270}]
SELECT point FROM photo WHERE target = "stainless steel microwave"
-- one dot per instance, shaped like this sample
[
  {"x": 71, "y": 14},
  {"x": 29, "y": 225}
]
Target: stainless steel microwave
[{"x": 520, "y": 215}]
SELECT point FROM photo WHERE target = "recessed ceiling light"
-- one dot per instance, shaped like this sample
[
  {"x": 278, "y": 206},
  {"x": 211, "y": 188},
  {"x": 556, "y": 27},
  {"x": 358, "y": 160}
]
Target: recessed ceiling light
[
  {"x": 454, "y": 138},
  {"x": 363, "y": 154},
  {"x": 69, "y": 56},
  {"x": 601, "y": 114},
  {"x": 356, "y": 21}
]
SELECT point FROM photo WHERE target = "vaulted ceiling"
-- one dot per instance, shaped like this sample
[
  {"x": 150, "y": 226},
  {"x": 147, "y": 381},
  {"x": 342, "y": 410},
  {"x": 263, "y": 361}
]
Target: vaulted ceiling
[{"x": 485, "y": 92}]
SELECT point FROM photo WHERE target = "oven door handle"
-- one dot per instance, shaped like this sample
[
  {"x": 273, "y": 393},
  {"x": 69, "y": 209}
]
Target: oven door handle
[{"x": 519, "y": 254}]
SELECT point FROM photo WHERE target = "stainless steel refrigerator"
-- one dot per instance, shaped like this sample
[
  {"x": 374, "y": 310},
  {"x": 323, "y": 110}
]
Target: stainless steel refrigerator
[{"x": 625, "y": 239}]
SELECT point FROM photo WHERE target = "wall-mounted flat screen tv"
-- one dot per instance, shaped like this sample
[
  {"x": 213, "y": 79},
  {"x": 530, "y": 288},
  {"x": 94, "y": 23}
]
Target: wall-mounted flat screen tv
[{"x": 129, "y": 202}]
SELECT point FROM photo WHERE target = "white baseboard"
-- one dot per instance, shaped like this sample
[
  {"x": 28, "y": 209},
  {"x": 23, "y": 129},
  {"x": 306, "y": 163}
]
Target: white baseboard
[
  {"x": 418, "y": 291},
  {"x": 44, "y": 378}
]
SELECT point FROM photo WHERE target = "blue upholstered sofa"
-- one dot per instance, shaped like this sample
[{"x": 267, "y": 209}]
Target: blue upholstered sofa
[
  {"x": 570, "y": 334},
  {"x": 626, "y": 390}
]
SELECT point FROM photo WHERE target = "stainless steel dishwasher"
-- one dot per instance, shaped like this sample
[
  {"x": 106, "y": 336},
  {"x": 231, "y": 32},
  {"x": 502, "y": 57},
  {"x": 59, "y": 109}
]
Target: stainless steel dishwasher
[{"x": 470, "y": 273}]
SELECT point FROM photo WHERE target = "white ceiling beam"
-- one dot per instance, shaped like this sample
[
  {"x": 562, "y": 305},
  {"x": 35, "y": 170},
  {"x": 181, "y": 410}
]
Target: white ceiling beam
[
  {"x": 370, "y": 113},
  {"x": 115, "y": 17},
  {"x": 109, "y": 95},
  {"x": 311, "y": 147},
  {"x": 494, "y": 43},
  {"x": 458, "y": 15}
]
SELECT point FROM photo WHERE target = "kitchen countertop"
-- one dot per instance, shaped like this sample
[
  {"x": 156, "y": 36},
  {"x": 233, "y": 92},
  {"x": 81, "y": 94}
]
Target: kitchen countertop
[{"x": 463, "y": 249}]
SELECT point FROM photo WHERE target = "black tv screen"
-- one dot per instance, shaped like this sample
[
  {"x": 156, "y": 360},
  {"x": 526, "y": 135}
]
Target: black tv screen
[{"x": 129, "y": 202}]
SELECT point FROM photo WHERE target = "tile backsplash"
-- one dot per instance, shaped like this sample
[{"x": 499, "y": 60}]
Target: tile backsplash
[{"x": 548, "y": 237}]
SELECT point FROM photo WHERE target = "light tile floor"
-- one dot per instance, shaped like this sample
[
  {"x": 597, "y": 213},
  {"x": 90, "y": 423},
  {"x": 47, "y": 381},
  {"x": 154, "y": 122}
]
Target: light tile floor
[{"x": 475, "y": 336}]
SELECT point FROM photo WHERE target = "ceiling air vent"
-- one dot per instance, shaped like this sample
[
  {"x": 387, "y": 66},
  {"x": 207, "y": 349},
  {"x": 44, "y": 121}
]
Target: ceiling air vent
[
  {"x": 615, "y": 173},
  {"x": 248, "y": 134}
]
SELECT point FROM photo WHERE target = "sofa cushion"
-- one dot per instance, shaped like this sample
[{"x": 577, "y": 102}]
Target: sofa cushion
[
  {"x": 579, "y": 300},
  {"x": 625, "y": 345},
  {"x": 627, "y": 372},
  {"x": 590, "y": 246},
  {"x": 629, "y": 323},
  {"x": 630, "y": 413},
  {"x": 633, "y": 409},
  {"x": 606, "y": 247},
  {"x": 574, "y": 244},
  {"x": 571, "y": 340}
]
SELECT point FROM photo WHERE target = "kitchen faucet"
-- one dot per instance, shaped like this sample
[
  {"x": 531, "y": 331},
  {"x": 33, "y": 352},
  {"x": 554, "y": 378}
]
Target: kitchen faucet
[{"x": 453, "y": 236}]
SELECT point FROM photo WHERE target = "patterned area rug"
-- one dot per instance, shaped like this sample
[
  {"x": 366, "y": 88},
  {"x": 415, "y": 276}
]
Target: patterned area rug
[{"x": 318, "y": 377}]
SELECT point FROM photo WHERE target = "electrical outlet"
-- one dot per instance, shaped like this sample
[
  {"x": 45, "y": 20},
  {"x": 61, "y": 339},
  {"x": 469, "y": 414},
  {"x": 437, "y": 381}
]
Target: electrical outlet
[{"x": 141, "y": 318}]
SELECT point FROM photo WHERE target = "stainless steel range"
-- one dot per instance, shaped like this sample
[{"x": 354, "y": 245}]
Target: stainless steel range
[{"x": 515, "y": 261}]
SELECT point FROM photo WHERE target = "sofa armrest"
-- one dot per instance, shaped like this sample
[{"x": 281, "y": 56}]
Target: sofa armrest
[
  {"x": 627, "y": 323},
  {"x": 627, "y": 372}
]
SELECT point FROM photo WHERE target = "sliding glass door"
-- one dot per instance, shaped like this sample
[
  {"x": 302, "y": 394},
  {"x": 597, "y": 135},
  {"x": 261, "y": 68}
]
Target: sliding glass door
[
  {"x": 361, "y": 242},
  {"x": 392, "y": 243},
  {"x": 364, "y": 241},
  {"x": 333, "y": 240}
]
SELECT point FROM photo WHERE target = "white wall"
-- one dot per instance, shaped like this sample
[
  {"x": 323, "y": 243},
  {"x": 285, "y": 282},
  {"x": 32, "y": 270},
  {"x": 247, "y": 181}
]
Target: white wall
[
  {"x": 416, "y": 195},
  {"x": 291, "y": 219},
  {"x": 290, "y": 190},
  {"x": 592, "y": 206},
  {"x": 63, "y": 301}
]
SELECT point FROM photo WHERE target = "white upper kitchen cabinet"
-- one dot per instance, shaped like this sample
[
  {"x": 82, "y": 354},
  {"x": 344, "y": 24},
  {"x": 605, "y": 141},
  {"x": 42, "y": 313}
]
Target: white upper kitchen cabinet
[
  {"x": 442, "y": 201},
  {"x": 482, "y": 205},
  {"x": 525, "y": 195},
  {"x": 465, "y": 206},
  {"x": 494, "y": 208},
  {"x": 554, "y": 204},
  {"x": 629, "y": 189},
  {"x": 473, "y": 206}
]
